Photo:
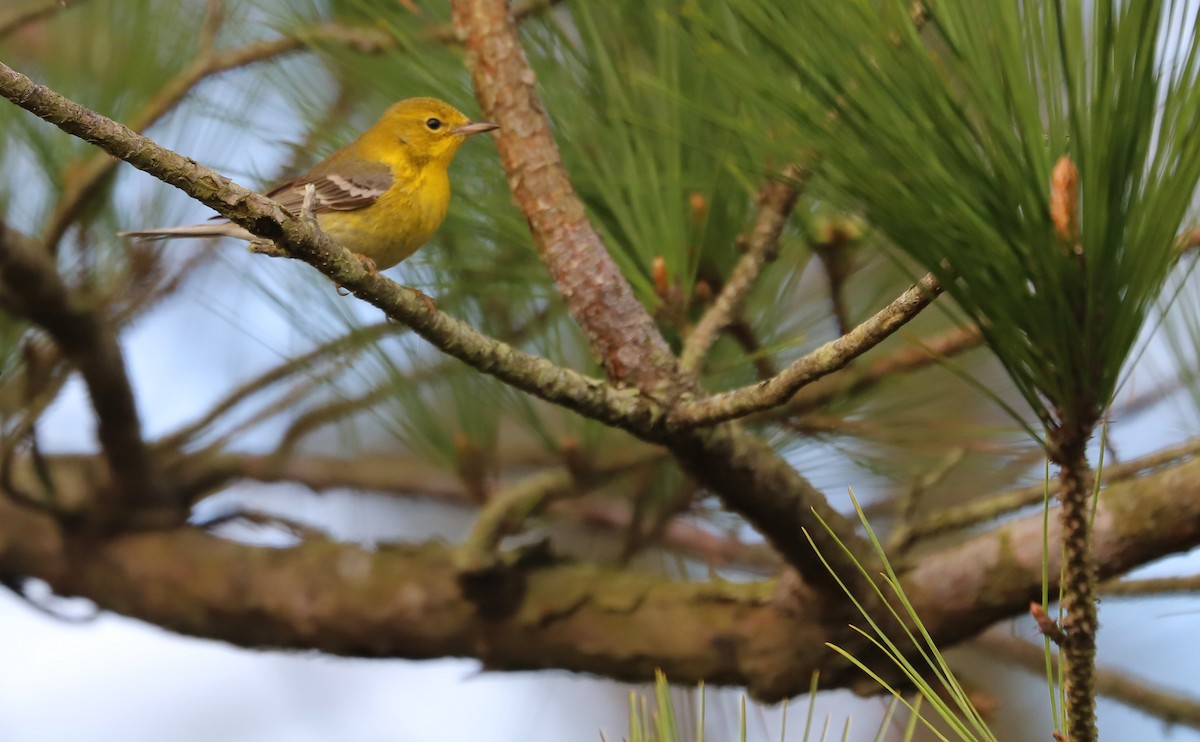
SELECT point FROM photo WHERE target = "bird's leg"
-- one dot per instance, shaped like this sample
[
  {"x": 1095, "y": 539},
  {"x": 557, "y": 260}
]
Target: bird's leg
[
  {"x": 427, "y": 299},
  {"x": 306, "y": 206},
  {"x": 269, "y": 248},
  {"x": 368, "y": 263}
]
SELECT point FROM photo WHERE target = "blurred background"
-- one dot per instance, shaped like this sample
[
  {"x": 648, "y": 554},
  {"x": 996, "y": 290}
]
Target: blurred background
[{"x": 668, "y": 160}]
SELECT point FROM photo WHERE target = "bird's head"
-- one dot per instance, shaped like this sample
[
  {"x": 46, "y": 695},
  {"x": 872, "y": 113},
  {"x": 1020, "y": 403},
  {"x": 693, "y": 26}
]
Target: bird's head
[{"x": 428, "y": 130}]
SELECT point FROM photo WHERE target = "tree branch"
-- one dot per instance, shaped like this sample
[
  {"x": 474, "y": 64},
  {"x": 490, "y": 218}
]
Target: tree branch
[
  {"x": 775, "y": 203},
  {"x": 925, "y": 353},
  {"x": 1151, "y": 586},
  {"x": 33, "y": 290},
  {"x": 32, "y": 13},
  {"x": 823, "y": 361},
  {"x": 348, "y": 344},
  {"x": 413, "y": 477},
  {"x": 620, "y": 331},
  {"x": 408, "y": 601},
  {"x": 990, "y": 508},
  {"x": 506, "y": 513}
]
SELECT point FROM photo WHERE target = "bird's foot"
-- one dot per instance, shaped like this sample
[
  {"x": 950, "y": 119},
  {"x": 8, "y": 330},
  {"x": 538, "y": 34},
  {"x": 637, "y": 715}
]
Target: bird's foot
[
  {"x": 268, "y": 248},
  {"x": 428, "y": 300},
  {"x": 368, "y": 263}
]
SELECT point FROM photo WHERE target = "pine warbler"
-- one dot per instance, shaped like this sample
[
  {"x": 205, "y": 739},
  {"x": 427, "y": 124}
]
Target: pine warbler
[{"x": 381, "y": 196}]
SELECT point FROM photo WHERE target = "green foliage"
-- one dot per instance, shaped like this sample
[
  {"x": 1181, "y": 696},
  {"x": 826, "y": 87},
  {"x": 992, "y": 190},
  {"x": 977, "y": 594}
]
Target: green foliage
[
  {"x": 660, "y": 179},
  {"x": 946, "y": 137},
  {"x": 1181, "y": 336},
  {"x": 930, "y": 674},
  {"x": 658, "y": 722},
  {"x": 94, "y": 37}
]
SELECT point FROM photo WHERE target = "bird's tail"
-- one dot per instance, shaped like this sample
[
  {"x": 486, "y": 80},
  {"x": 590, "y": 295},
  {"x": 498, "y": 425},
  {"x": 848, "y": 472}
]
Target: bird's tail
[{"x": 196, "y": 230}]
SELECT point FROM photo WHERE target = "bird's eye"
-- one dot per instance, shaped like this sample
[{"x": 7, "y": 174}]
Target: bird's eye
[{"x": 433, "y": 124}]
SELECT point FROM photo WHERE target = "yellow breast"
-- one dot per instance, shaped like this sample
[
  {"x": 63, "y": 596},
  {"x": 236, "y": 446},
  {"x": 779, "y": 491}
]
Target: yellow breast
[{"x": 402, "y": 220}]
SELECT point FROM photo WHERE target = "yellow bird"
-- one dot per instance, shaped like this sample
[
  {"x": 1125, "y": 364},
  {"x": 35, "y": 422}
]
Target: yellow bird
[{"x": 381, "y": 196}]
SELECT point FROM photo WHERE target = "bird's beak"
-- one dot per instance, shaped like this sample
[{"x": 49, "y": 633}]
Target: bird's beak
[{"x": 475, "y": 127}]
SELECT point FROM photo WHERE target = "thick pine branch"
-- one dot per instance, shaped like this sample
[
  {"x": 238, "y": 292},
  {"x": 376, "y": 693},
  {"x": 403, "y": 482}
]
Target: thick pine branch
[
  {"x": 408, "y": 602},
  {"x": 622, "y": 334}
]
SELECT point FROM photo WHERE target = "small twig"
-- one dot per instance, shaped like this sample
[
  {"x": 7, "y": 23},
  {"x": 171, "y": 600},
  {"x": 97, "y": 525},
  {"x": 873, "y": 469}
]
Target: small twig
[
  {"x": 1189, "y": 240},
  {"x": 830, "y": 357},
  {"x": 299, "y": 391},
  {"x": 741, "y": 331},
  {"x": 775, "y": 203},
  {"x": 328, "y": 413},
  {"x": 837, "y": 274},
  {"x": 1150, "y": 586},
  {"x": 32, "y": 13},
  {"x": 1048, "y": 627},
  {"x": 902, "y": 537},
  {"x": 301, "y": 531},
  {"x": 351, "y": 343},
  {"x": 924, "y": 353},
  {"x": 474, "y": 465},
  {"x": 832, "y": 242},
  {"x": 214, "y": 18},
  {"x": 965, "y": 516},
  {"x": 507, "y": 512}
]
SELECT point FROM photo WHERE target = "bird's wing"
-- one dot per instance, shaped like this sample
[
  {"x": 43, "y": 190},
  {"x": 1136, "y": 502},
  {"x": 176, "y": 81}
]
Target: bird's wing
[
  {"x": 338, "y": 185},
  {"x": 336, "y": 191}
]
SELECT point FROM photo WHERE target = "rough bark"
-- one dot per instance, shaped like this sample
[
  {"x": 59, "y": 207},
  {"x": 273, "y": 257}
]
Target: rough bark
[{"x": 410, "y": 602}]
